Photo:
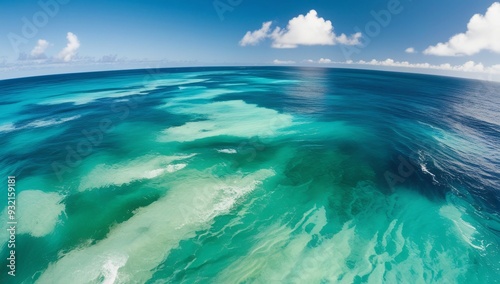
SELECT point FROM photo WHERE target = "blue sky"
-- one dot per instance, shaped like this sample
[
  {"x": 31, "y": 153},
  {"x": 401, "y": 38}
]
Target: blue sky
[{"x": 77, "y": 35}]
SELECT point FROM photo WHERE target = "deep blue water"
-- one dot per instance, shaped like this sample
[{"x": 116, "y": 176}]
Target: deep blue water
[{"x": 252, "y": 175}]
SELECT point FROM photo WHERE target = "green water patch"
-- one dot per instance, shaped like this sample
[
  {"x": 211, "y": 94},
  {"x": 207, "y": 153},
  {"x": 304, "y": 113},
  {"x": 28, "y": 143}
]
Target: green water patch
[
  {"x": 322, "y": 218},
  {"x": 115, "y": 206},
  {"x": 192, "y": 202}
]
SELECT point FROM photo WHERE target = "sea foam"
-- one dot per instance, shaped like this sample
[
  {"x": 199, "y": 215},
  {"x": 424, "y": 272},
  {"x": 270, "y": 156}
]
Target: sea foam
[
  {"x": 147, "y": 238},
  {"x": 145, "y": 167}
]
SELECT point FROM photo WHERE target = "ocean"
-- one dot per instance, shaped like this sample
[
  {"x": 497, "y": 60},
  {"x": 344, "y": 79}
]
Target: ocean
[{"x": 251, "y": 175}]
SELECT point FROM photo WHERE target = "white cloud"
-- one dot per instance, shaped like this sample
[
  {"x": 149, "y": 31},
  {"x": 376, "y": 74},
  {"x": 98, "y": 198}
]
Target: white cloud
[
  {"x": 301, "y": 30},
  {"x": 495, "y": 68},
  {"x": 38, "y": 52},
  {"x": 252, "y": 38},
  {"x": 410, "y": 50},
  {"x": 483, "y": 33},
  {"x": 324, "y": 60},
  {"x": 71, "y": 48},
  {"x": 277, "y": 61},
  {"x": 352, "y": 40},
  {"x": 469, "y": 66},
  {"x": 109, "y": 58}
]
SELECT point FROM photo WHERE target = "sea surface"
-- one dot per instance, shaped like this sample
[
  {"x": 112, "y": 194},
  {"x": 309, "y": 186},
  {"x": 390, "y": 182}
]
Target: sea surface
[{"x": 251, "y": 175}]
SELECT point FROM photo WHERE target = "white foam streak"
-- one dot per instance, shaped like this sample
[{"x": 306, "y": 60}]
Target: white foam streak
[
  {"x": 146, "y": 239},
  {"x": 80, "y": 98},
  {"x": 110, "y": 268},
  {"x": 463, "y": 228},
  {"x": 145, "y": 167},
  {"x": 50, "y": 122},
  {"x": 8, "y": 127},
  {"x": 38, "y": 123},
  {"x": 227, "y": 151}
]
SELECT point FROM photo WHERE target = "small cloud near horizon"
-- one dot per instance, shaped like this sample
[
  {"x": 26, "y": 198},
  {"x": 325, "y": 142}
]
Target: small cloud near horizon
[
  {"x": 410, "y": 50},
  {"x": 69, "y": 52},
  {"x": 324, "y": 61},
  {"x": 469, "y": 66},
  {"x": 38, "y": 52},
  {"x": 277, "y": 61}
]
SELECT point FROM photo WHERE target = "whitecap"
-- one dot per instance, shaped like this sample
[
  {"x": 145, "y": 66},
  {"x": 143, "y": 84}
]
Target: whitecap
[
  {"x": 227, "y": 151},
  {"x": 423, "y": 166},
  {"x": 111, "y": 267}
]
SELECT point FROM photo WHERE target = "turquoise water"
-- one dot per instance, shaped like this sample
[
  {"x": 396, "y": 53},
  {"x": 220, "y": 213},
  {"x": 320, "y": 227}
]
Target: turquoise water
[{"x": 252, "y": 175}]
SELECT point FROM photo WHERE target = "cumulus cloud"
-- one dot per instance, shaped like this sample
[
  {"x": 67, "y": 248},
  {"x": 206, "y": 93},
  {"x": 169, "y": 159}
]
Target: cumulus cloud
[
  {"x": 252, "y": 38},
  {"x": 277, "y": 61},
  {"x": 38, "y": 52},
  {"x": 410, "y": 50},
  {"x": 71, "y": 48},
  {"x": 324, "y": 61},
  {"x": 352, "y": 40},
  {"x": 483, "y": 33},
  {"x": 301, "y": 30}
]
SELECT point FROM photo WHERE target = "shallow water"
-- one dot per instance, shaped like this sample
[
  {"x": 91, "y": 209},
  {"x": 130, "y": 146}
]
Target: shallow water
[{"x": 252, "y": 175}]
